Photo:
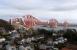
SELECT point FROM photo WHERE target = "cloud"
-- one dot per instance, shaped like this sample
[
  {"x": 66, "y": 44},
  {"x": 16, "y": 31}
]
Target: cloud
[
  {"x": 54, "y": 5},
  {"x": 43, "y": 9},
  {"x": 70, "y": 8}
]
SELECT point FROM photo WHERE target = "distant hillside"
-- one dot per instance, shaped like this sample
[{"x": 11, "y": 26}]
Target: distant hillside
[{"x": 7, "y": 26}]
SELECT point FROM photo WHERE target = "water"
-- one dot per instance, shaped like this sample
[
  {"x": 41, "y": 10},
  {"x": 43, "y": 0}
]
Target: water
[{"x": 58, "y": 28}]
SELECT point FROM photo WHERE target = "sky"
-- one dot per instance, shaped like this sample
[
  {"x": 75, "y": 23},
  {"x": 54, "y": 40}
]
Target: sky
[{"x": 42, "y": 9}]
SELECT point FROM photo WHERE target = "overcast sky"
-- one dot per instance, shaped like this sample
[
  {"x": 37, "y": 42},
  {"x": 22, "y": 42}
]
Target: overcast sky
[{"x": 43, "y": 9}]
